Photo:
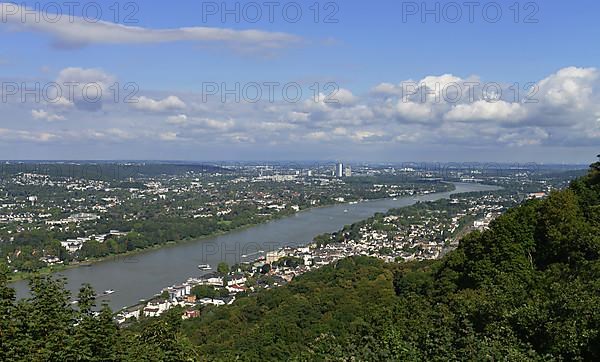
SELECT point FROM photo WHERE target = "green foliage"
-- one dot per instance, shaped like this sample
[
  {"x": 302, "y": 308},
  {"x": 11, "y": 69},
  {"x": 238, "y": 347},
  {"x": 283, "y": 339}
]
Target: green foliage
[
  {"x": 209, "y": 291},
  {"x": 223, "y": 268},
  {"x": 283, "y": 322},
  {"x": 45, "y": 327}
]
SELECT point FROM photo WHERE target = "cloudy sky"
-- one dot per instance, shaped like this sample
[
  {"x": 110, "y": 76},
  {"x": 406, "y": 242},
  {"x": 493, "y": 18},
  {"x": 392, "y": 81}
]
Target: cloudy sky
[{"x": 351, "y": 81}]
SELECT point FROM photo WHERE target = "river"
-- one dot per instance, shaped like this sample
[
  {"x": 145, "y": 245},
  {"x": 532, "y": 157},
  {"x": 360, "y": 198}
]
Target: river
[{"x": 143, "y": 275}]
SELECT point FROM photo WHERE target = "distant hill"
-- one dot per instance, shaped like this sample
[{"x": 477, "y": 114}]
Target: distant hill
[{"x": 108, "y": 170}]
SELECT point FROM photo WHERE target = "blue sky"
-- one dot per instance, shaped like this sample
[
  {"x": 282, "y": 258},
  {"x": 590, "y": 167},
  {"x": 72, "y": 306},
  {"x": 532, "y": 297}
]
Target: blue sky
[{"x": 385, "y": 42}]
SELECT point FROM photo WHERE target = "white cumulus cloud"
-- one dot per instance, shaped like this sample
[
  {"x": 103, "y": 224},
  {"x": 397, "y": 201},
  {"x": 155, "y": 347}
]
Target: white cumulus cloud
[
  {"x": 148, "y": 104},
  {"x": 46, "y": 116}
]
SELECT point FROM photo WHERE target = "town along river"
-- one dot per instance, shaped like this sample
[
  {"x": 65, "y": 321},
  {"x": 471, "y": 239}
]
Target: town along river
[{"x": 143, "y": 275}]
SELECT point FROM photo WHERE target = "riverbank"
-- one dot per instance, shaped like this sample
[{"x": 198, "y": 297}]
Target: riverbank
[
  {"x": 130, "y": 255},
  {"x": 135, "y": 278},
  {"x": 327, "y": 252},
  {"x": 16, "y": 277}
]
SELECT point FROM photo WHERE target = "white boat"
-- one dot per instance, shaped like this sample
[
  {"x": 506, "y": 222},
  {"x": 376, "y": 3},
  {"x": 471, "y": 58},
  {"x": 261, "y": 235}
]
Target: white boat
[
  {"x": 251, "y": 254},
  {"x": 204, "y": 267},
  {"x": 346, "y": 210},
  {"x": 108, "y": 292}
]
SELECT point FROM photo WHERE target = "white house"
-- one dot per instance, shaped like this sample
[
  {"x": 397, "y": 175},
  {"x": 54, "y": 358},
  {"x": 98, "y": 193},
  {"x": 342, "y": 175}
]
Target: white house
[{"x": 206, "y": 301}]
